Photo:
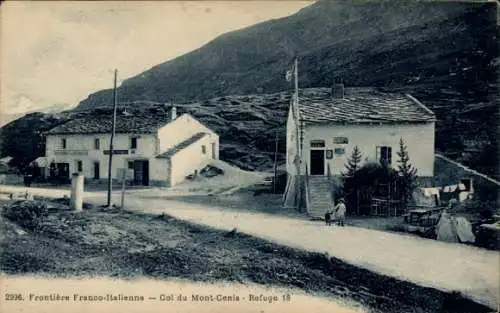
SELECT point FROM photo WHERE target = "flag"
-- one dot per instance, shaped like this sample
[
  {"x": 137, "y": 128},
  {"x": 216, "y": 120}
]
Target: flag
[{"x": 289, "y": 74}]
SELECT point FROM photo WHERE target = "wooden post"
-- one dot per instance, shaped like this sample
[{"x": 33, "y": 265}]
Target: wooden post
[
  {"x": 110, "y": 176},
  {"x": 275, "y": 163},
  {"x": 297, "y": 121},
  {"x": 124, "y": 180},
  {"x": 357, "y": 199},
  {"x": 389, "y": 202}
]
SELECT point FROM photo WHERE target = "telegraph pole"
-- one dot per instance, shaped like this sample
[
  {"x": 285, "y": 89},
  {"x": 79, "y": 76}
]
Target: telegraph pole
[
  {"x": 275, "y": 163},
  {"x": 297, "y": 126},
  {"x": 113, "y": 127}
]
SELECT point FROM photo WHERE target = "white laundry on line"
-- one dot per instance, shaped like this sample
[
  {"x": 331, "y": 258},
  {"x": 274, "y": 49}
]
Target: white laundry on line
[{"x": 429, "y": 192}]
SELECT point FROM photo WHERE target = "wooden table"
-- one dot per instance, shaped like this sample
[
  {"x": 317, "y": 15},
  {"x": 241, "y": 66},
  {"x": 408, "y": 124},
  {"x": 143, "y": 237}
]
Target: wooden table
[{"x": 421, "y": 216}]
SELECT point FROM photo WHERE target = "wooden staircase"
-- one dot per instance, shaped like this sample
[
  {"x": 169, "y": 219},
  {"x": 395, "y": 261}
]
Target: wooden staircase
[{"x": 319, "y": 198}]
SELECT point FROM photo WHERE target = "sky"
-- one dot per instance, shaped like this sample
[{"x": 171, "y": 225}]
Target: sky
[{"x": 57, "y": 53}]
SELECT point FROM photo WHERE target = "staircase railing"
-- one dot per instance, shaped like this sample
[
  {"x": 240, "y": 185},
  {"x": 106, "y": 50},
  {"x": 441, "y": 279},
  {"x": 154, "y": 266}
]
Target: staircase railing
[
  {"x": 307, "y": 190},
  {"x": 329, "y": 178}
]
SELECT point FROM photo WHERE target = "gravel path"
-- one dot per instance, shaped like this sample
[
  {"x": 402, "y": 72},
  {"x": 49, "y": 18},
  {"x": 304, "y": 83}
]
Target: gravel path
[{"x": 470, "y": 270}]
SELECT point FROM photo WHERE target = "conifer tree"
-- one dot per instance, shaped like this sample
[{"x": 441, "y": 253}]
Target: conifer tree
[
  {"x": 353, "y": 163},
  {"x": 407, "y": 173},
  {"x": 351, "y": 186}
]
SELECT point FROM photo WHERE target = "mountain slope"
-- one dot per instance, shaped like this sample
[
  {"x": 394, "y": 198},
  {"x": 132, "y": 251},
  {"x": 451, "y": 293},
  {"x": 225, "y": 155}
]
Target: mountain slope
[
  {"x": 444, "y": 53},
  {"x": 383, "y": 43}
]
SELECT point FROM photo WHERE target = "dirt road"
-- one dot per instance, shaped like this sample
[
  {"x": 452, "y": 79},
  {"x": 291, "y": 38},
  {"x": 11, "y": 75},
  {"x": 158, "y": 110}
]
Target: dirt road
[
  {"x": 444, "y": 266},
  {"x": 448, "y": 267}
]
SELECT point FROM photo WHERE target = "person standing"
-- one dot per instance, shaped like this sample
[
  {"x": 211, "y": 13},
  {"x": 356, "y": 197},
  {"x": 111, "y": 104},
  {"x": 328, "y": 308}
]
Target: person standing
[
  {"x": 328, "y": 217},
  {"x": 340, "y": 211},
  {"x": 446, "y": 227}
]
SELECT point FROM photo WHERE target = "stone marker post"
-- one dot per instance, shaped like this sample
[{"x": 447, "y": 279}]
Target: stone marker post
[{"x": 77, "y": 191}]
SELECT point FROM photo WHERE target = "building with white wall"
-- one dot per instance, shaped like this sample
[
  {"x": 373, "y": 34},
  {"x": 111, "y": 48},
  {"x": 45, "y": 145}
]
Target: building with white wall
[
  {"x": 329, "y": 124},
  {"x": 325, "y": 124},
  {"x": 160, "y": 149}
]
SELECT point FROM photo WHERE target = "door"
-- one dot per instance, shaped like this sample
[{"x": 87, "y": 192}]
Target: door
[
  {"x": 63, "y": 170},
  {"x": 317, "y": 162},
  {"x": 141, "y": 172},
  {"x": 145, "y": 173},
  {"x": 96, "y": 170},
  {"x": 137, "y": 172}
]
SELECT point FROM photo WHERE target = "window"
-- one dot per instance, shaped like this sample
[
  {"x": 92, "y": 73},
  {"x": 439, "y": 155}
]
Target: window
[
  {"x": 133, "y": 143},
  {"x": 203, "y": 149},
  {"x": 63, "y": 143},
  {"x": 339, "y": 151},
  {"x": 317, "y": 143},
  {"x": 340, "y": 140},
  {"x": 79, "y": 166},
  {"x": 384, "y": 155},
  {"x": 131, "y": 164},
  {"x": 213, "y": 150},
  {"x": 329, "y": 154},
  {"x": 97, "y": 144}
]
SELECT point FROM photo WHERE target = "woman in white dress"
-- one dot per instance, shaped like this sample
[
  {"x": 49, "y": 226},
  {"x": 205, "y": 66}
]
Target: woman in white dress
[
  {"x": 446, "y": 227},
  {"x": 340, "y": 211},
  {"x": 451, "y": 228}
]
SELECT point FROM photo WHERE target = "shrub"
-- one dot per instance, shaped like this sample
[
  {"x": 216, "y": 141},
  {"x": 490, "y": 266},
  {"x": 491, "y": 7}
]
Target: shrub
[{"x": 28, "y": 214}]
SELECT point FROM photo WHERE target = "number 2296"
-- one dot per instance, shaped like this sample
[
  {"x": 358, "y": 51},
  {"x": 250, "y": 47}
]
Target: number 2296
[{"x": 13, "y": 297}]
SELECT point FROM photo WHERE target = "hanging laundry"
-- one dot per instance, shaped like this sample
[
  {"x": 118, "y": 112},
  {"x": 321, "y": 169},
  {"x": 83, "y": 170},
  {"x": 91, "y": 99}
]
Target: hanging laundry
[
  {"x": 464, "y": 195},
  {"x": 421, "y": 198},
  {"x": 450, "y": 188},
  {"x": 429, "y": 192}
]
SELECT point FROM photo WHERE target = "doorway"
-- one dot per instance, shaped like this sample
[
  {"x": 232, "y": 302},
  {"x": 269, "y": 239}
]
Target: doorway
[
  {"x": 141, "y": 172},
  {"x": 317, "y": 162},
  {"x": 96, "y": 170},
  {"x": 63, "y": 170}
]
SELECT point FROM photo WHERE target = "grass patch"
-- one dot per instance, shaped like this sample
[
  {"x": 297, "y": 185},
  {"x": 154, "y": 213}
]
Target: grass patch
[{"x": 128, "y": 244}]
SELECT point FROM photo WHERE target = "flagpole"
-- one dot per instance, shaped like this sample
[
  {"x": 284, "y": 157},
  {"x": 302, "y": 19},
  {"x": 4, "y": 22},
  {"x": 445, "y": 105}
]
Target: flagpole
[
  {"x": 299, "y": 152},
  {"x": 296, "y": 75}
]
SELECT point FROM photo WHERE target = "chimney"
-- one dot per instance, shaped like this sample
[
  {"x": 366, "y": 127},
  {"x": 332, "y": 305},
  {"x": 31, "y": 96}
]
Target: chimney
[
  {"x": 338, "y": 89},
  {"x": 173, "y": 114}
]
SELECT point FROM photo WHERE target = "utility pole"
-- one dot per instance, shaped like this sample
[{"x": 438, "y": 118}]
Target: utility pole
[
  {"x": 124, "y": 180},
  {"x": 296, "y": 72},
  {"x": 275, "y": 163},
  {"x": 110, "y": 163},
  {"x": 297, "y": 121}
]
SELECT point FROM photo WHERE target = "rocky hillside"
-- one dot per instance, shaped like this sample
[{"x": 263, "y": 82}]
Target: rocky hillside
[
  {"x": 247, "y": 125},
  {"x": 428, "y": 46},
  {"x": 23, "y": 138},
  {"x": 444, "y": 53}
]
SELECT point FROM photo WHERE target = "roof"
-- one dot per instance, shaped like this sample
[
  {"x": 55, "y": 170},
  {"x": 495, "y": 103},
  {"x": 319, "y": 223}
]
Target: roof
[
  {"x": 6, "y": 159},
  {"x": 180, "y": 146},
  {"x": 40, "y": 161},
  {"x": 134, "y": 124},
  {"x": 361, "y": 105}
]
